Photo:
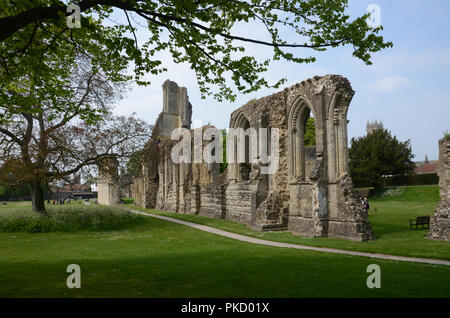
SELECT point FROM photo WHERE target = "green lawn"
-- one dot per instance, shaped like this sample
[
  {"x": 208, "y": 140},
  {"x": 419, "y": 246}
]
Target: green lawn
[
  {"x": 428, "y": 193},
  {"x": 390, "y": 225},
  {"x": 156, "y": 258},
  {"x": 162, "y": 259}
]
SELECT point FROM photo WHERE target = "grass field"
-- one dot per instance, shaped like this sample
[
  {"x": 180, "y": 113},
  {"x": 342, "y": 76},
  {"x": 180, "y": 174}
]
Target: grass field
[
  {"x": 407, "y": 194},
  {"x": 390, "y": 224},
  {"x": 162, "y": 259}
]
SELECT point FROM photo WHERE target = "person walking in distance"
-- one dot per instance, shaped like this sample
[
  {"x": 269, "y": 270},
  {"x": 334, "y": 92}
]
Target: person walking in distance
[{"x": 366, "y": 204}]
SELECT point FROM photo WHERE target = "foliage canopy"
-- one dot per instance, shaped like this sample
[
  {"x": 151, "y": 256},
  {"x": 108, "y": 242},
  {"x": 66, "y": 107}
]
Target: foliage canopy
[{"x": 210, "y": 35}]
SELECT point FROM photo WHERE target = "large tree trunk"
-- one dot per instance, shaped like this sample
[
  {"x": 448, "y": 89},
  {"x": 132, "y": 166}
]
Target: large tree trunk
[{"x": 37, "y": 197}]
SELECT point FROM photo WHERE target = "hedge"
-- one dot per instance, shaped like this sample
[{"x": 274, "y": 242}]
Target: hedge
[{"x": 416, "y": 179}]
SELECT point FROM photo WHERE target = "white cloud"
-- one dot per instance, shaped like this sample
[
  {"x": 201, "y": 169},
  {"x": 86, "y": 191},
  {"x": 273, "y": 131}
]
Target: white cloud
[{"x": 390, "y": 84}]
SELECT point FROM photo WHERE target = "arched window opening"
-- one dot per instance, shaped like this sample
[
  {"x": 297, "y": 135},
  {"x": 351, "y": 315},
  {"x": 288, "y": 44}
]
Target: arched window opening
[
  {"x": 244, "y": 168},
  {"x": 310, "y": 144},
  {"x": 303, "y": 142}
]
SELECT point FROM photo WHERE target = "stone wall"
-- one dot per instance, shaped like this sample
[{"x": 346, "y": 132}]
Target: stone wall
[
  {"x": 108, "y": 181},
  {"x": 311, "y": 193},
  {"x": 440, "y": 221},
  {"x": 177, "y": 110},
  {"x": 212, "y": 201},
  {"x": 126, "y": 184}
]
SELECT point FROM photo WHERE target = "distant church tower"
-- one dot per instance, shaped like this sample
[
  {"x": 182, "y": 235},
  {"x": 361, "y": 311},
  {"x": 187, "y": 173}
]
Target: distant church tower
[{"x": 375, "y": 125}]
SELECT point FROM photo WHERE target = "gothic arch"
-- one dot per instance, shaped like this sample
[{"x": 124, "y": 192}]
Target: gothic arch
[
  {"x": 298, "y": 116},
  {"x": 337, "y": 127},
  {"x": 238, "y": 170}
]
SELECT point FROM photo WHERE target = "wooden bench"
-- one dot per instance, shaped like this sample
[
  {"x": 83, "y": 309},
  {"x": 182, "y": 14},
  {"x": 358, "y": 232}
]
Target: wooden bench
[{"x": 420, "y": 220}]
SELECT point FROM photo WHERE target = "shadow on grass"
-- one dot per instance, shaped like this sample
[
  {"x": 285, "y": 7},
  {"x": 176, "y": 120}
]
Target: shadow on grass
[{"x": 219, "y": 269}]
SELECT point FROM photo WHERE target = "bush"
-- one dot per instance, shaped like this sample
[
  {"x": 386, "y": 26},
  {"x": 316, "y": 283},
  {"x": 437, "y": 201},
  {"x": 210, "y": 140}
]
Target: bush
[
  {"x": 376, "y": 155},
  {"x": 68, "y": 219}
]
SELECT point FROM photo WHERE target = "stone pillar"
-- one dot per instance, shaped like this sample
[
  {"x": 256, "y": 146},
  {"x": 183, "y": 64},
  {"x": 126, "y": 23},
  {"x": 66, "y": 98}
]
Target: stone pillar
[
  {"x": 177, "y": 111},
  {"x": 440, "y": 221},
  {"x": 108, "y": 181}
]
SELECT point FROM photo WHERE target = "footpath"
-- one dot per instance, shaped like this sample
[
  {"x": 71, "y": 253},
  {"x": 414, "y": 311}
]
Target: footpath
[{"x": 253, "y": 240}]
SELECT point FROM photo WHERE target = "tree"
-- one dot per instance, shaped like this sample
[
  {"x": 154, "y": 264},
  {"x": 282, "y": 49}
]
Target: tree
[
  {"x": 199, "y": 32},
  {"x": 310, "y": 132},
  {"x": 57, "y": 82},
  {"x": 8, "y": 191},
  {"x": 379, "y": 154},
  {"x": 52, "y": 129}
]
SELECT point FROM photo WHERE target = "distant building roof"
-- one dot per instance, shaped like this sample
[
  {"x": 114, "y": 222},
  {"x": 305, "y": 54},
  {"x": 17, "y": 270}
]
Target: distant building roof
[
  {"x": 426, "y": 168},
  {"x": 73, "y": 187},
  {"x": 75, "y": 193}
]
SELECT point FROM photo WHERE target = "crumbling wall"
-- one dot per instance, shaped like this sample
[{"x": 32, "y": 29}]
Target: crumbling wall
[
  {"x": 185, "y": 187},
  {"x": 146, "y": 183},
  {"x": 126, "y": 184},
  {"x": 149, "y": 165},
  {"x": 177, "y": 111},
  {"x": 440, "y": 221},
  {"x": 322, "y": 201},
  {"x": 310, "y": 194},
  {"x": 108, "y": 181},
  {"x": 254, "y": 198},
  {"x": 138, "y": 195}
]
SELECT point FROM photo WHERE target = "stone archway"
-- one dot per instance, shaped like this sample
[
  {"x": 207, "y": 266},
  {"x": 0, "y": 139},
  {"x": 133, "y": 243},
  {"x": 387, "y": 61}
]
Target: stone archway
[
  {"x": 297, "y": 145},
  {"x": 239, "y": 169},
  {"x": 322, "y": 200}
]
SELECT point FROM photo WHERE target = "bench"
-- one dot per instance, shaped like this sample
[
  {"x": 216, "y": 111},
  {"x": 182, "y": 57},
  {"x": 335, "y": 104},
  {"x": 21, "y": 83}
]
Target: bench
[{"x": 420, "y": 220}]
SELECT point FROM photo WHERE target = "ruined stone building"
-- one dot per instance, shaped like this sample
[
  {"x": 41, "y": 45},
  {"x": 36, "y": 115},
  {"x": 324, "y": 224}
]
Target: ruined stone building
[
  {"x": 440, "y": 221},
  {"x": 310, "y": 194}
]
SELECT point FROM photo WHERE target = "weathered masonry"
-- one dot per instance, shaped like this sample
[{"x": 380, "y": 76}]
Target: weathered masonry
[
  {"x": 440, "y": 221},
  {"x": 108, "y": 181},
  {"x": 311, "y": 193}
]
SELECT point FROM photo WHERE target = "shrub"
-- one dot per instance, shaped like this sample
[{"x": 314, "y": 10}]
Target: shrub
[
  {"x": 411, "y": 180},
  {"x": 446, "y": 135}
]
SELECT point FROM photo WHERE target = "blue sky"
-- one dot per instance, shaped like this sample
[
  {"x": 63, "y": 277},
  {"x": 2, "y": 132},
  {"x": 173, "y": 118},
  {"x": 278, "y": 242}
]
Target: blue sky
[{"x": 407, "y": 87}]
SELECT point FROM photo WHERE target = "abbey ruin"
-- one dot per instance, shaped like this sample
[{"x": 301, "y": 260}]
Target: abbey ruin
[{"x": 310, "y": 194}]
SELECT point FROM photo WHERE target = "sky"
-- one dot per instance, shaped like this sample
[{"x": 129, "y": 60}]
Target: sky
[{"x": 407, "y": 87}]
